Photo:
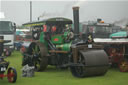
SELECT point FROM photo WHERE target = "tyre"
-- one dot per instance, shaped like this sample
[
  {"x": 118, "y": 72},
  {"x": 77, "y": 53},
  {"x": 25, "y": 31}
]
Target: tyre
[
  {"x": 40, "y": 60},
  {"x": 12, "y": 75}
]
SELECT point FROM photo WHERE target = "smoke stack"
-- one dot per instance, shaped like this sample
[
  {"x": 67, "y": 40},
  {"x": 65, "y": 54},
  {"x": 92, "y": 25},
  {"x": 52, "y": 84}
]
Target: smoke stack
[{"x": 76, "y": 20}]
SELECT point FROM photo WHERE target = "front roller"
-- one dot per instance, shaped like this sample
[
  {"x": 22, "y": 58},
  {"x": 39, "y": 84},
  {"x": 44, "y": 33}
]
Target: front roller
[{"x": 91, "y": 63}]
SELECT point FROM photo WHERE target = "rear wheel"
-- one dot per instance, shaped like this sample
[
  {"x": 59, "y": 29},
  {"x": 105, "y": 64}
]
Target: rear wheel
[
  {"x": 115, "y": 53},
  {"x": 39, "y": 51},
  {"x": 12, "y": 75}
]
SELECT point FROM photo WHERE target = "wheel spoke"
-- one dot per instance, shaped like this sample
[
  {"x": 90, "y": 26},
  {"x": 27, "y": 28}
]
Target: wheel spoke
[{"x": 36, "y": 51}]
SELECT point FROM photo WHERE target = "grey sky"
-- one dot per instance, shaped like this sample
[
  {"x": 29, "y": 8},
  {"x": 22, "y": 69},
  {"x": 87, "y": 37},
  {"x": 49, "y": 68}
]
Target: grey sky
[{"x": 109, "y": 11}]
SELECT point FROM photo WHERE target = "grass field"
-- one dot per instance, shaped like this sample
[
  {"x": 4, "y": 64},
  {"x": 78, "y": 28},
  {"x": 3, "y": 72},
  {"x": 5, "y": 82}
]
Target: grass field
[{"x": 53, "y": 76}]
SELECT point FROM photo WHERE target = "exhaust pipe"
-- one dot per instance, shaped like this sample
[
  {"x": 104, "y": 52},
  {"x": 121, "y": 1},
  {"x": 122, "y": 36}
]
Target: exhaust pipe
[{"x": 76, "y": 20}]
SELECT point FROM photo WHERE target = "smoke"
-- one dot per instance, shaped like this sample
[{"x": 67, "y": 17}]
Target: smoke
[
  {"x": 122, "y": 22},
  {"x": 79, "y": 3},
  {"x": 65, "y": 11},
  {"x": 46, "y": 15},
  {"x": 51, "y": 14},
  {"x": 68, "y": 7}
]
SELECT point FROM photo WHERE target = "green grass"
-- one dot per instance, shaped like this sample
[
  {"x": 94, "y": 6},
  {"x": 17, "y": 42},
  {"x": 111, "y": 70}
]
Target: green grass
[{"x": 53, "y": 76}]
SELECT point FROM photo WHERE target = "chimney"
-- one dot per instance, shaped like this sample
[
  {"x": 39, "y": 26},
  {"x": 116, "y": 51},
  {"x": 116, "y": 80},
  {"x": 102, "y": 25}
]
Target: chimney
[{"x": 76, "y": 20}]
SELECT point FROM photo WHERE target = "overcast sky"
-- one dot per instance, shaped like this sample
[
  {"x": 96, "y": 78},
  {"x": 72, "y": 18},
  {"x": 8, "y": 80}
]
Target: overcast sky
[{"x": 109, "y": 11}]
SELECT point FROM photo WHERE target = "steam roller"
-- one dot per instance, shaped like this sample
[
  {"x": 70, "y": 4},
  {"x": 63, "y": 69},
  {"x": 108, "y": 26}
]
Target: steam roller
[{"x": 66, "y": 49}]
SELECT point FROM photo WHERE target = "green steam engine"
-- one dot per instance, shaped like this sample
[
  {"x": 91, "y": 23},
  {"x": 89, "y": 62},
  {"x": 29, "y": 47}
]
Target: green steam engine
[{"x": 56, "y": 43}]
